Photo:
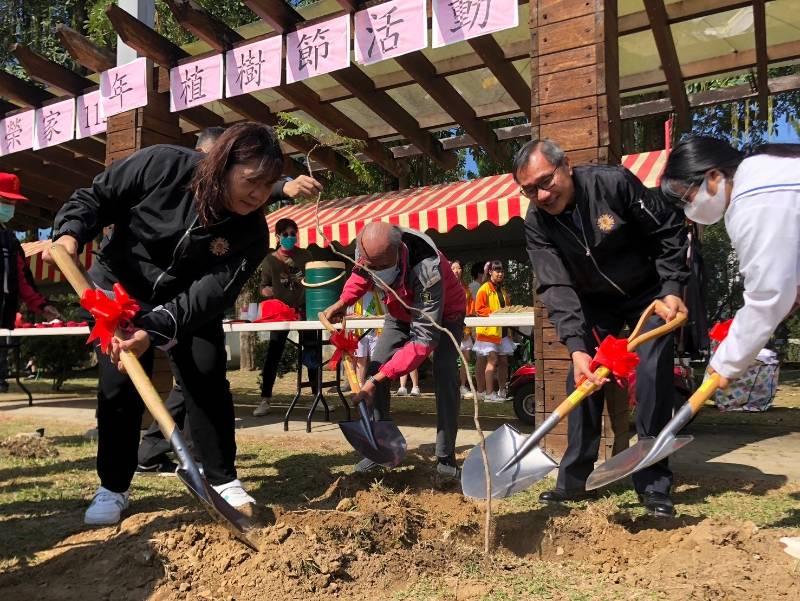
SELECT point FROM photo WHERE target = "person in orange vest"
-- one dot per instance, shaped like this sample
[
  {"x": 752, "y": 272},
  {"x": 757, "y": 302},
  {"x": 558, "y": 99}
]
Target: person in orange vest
[{"x": 489, "y": 340}]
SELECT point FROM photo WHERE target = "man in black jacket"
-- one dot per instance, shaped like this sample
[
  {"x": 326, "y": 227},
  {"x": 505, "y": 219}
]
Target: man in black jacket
[{"x": 603, "y": 248}]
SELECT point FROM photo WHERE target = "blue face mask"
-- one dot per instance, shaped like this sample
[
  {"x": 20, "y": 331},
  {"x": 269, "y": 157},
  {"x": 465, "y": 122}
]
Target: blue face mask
[
  {"x": 6, "y": 212},
  {"x": 288, "y": 242}
]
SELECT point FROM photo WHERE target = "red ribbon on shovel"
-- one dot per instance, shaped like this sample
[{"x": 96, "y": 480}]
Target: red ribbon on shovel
[
  {"x": 720, "y": 330},
  {"x": 346, "y": 343},
  {"x": 613, "y": 353},
  {"x": 109, "y": 313}
]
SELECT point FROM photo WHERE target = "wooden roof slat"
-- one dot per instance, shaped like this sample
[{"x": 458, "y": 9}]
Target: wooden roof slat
[
  {"x": 85, "y": 52},
  {"x": 65, "y": 159},
  {"x": 762, "y": 60},
  {"x": 29, "y": 163},
  {"x": 685, "y": 10},
  {"x": 282, "y": 17},
  {"x": 49, "y": 72},
  {"x": 492, "y": 55},
  {"x": 159, "y": 49},
  {"x": 669, "y": 61}
]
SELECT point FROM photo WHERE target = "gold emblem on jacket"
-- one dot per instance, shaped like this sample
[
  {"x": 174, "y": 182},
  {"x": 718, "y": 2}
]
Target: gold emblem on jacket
[
  {"x": 219, "y": 247},
  {"x": 606, "y": 223}
]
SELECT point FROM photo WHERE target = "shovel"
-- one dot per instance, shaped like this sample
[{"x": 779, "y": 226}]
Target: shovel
[
  {"x": 188, "y": 472},
  {"x": 648, "y": 451},
  {"x": 379, "y": 441},
  {"x": 507, "y": 448}
]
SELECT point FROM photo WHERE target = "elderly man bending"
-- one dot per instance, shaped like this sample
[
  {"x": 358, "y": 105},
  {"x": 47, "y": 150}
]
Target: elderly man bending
[{"x": 410, "y": 264}]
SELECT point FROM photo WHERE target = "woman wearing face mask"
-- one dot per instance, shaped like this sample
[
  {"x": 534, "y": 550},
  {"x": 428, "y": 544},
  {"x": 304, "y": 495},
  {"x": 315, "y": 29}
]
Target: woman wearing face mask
[
  {"x": 189, "y": 231},
  {"x": 281, "y": 276},
  {"x": 489, "y": 340},
  {"x": 759, "y": 197}
]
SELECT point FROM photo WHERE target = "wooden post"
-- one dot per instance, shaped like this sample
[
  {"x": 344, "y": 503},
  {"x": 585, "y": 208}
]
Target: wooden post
[{"x": 574, "y": 102}]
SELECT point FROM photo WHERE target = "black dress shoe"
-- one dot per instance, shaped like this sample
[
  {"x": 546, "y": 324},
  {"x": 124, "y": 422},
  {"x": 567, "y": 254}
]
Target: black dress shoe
[
  {"x": 657, "y": 504},
  {"x": 557, "y": 495}
]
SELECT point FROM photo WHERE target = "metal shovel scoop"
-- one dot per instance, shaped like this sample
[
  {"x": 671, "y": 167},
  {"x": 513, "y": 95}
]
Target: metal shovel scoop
[
  {"x": 508, "y": 452},
  {"x": 648, "y": 451},
  {"x": 380, "y": 441},
  {"x": 188, "y": 473}
]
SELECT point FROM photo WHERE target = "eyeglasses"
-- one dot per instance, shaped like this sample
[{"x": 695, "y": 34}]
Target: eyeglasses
[
  {"x": 545, "y": 184},
  {"x": 677, "y": 191}
]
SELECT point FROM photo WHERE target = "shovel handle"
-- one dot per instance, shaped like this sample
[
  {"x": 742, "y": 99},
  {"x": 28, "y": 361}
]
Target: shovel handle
[
  {"x": 347, "y": 361},
  {"x": 584, "y": 389},
  {"x": 636, "y": 339},
  {"x": 702, "y": 394},
  {"x": 134, "y": 369}
]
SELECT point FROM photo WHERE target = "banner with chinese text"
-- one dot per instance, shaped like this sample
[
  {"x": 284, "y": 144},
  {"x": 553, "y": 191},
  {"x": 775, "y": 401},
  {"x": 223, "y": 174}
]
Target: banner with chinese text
[
  {"x": 124, "y": 88},
  {"x": 90, "y": 119},
  {"x": 195, "y": 83},
  {"x": 55, "y": 123},
  {"x": 458, "y": 20},
  {"x": 390, "y": 29},
  {"x": 316, "y": 49},
  {"x": 253, "y": 67},
  {"x": 16, "y": 132}
]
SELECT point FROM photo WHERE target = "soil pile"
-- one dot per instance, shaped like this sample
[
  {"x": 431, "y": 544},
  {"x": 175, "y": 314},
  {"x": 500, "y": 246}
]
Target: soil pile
[{"x": 28, "y": 446}]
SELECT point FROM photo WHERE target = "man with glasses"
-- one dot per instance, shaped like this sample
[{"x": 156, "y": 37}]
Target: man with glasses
[{"x": 603, "y": 247}]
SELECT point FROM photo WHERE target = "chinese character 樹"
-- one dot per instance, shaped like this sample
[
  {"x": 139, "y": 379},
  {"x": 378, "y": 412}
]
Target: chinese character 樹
[
  {"x": 389, "y": 40},
  {"x": 311, "y": 51},
  {"x": 192, "y": 85},
  {"x": 50, "y": 122},
  {"x": 120, "y": 87},
  {"x": 467, "y": 12},
  {"x": 250, "y": 68}
]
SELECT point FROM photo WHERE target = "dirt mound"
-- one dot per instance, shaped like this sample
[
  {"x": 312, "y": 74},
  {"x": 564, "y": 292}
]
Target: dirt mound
[{"x": 29, "y": 446}]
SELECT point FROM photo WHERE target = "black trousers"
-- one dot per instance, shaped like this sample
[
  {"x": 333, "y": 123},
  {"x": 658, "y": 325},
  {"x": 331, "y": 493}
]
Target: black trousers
[
  {"x": 198, "y": 364},
  {"x": 154, "y": 447},
  {"x": 654, "y": 397},
  {"x": 275, "y": 348}
]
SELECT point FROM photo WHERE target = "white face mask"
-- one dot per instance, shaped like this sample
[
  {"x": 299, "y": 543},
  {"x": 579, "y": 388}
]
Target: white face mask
[
  {"x": 388, "y": 275},
  {"x": 705, "y": 208}
]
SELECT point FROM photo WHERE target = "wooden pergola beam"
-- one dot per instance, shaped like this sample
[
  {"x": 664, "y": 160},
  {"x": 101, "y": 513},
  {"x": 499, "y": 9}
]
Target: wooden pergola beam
[
  {"x": 669, "y": 61},
  {"x": 30, "y": 161},
  {"x": 50, "y": 73},
  {"x": 85, "y": 52},
  {"x": 685, "y": 10},
  {"x": 762, "y": 60},
  {"x": 492, "y": 55}
]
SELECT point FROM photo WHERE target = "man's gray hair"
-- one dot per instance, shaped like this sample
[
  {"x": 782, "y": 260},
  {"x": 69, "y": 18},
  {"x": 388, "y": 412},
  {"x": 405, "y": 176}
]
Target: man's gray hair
[
  {"x": 547, "y": 148},
  {"x": 395, "y": 237}
]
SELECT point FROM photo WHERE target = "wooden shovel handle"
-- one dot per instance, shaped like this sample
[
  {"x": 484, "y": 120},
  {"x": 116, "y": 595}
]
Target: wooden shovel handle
[
  {"x": 636, "y": 339},
  {"x": 134, "y": 369},
  {"x": 584, "y": 389},
  {"x": 702, "y": 394},
  {"x": 348, "y": 362}
]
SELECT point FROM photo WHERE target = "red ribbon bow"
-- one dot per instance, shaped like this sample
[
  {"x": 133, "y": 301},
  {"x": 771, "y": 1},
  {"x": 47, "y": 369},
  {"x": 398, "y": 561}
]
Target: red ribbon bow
[
  {"x": 109, "y": 313},
  {"x": 720, "y": 330},
  {"x": 346, "y": 343},
  {"x": 613, "y": 353}
]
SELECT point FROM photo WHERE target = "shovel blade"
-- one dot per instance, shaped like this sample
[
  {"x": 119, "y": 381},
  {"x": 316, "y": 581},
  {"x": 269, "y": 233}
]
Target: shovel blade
[
  {"x": 501, "y": 445},
  {"x": 390, "y": 444},
  {"x": 219, "y": 509},
  {"x": 646, "y": 452}
]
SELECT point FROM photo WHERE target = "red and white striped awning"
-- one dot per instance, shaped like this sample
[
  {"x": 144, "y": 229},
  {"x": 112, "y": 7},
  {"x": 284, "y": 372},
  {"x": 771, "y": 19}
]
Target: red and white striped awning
[
  {"x": 44, "y": 271},
  {"x": 439, "y": 208}
]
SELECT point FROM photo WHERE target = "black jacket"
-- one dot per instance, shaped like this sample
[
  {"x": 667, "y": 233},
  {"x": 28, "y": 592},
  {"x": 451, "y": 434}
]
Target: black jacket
[
  {"x": 10, "y": 279},
  {"x": 158, "y": 251},
  {"x": 636, "y": 247}
]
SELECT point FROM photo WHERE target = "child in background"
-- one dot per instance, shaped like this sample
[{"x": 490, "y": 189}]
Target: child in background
[
  {"x": 466, "y": 342},
  {"x": 489, "y": 340}
]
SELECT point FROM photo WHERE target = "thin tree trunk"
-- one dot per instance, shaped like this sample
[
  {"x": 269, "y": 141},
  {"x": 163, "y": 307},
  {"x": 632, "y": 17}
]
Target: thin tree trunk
[{"x": 247, "y": 340}]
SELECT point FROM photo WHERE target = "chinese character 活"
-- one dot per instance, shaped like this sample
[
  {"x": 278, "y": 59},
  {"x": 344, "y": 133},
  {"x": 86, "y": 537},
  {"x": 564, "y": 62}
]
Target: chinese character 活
[
  {"x": 193, "y": 85},
  {"x": 50, "y": 122},
  {"x": 467, "y": 12},
  {"x": 120, "y": 87},
  {"x": 250, "y": 68},
  {"x": 13, "y": 132},
  {"x": 311, "y": 51},
  {"x": 389, "y": 40}
]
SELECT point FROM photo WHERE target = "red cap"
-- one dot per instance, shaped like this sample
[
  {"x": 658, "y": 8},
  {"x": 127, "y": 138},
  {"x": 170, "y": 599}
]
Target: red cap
[{"x": 10, "y": 187}]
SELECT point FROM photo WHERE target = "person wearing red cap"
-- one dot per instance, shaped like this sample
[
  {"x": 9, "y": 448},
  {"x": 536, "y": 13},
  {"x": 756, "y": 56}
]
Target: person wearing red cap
[{"x": 14, "y": 273}]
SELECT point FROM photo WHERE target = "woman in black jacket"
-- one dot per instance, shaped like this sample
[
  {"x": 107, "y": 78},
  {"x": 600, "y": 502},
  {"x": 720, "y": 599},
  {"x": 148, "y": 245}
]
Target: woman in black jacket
[{"x": 189, "y": 231}]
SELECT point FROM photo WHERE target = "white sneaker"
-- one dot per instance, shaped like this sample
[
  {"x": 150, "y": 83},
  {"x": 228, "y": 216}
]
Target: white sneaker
[
  {"x": 402, "y": 391},
  {"x": 234, "y": 494},
  {"x": 464, "y": 391},
  {"x": 106, "y": 507},
  {"x": 481, "y": 395},
  {"x": 262, "y": 409},
  {"x": 414, "y": 391},
  {"x": 493, "y": 397}
]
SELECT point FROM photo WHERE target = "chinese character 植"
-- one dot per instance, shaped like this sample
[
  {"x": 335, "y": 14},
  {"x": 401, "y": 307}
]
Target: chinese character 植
[
  {"x": 193, "y": 85},
  {"x": 389, "y": 40},
  {"x": 467, "y": 12},
  {"x": 120, "y": 87},
  {"x": 312, "y": 49},
  {"x": 250, "y": 68}
]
